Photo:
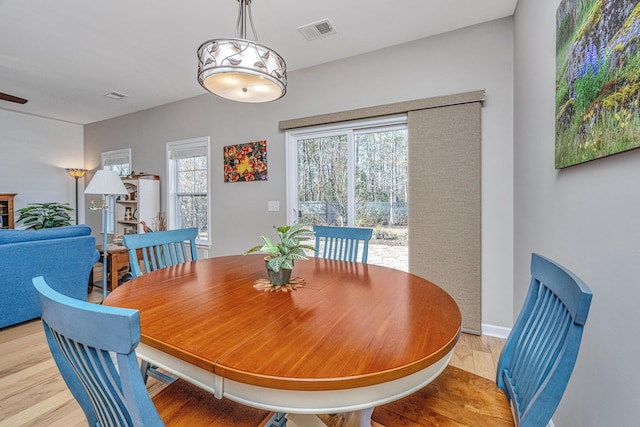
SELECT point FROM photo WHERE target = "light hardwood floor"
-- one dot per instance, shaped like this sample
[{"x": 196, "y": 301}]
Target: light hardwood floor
[{"x": 32, "y": 393}]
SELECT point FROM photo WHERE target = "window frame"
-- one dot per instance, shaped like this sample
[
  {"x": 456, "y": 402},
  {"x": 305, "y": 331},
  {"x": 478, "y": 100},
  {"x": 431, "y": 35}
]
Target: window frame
[
  {"x": 171, "y": 187},
  {"x": 348, "y": 128}
]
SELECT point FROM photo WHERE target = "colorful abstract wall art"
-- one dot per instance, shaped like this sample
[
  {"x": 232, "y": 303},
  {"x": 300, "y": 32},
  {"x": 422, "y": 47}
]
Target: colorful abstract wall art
[
  {"x": 245, "y": 162},
  {"x": 597, "y": 79}
]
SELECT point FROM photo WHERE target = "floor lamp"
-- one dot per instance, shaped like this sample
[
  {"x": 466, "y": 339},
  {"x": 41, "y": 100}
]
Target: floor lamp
[
  {"x": 105, "y": 183},
  {"x": 76, "y": 173}
]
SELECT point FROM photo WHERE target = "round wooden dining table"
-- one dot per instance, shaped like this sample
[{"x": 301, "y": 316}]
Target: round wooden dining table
[{"x": 352, "y": 337}]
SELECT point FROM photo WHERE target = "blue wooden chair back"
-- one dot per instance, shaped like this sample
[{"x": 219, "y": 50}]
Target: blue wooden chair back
[
  {"x": 540, "y": 353},
  {"x": 161, "y": 248},
  {"x": 342, "y": 243},
  {"x": 109, "y": 395}
]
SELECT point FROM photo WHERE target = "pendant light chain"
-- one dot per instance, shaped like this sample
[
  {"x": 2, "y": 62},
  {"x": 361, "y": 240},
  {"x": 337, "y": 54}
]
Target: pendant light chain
[{"x": 241, "y": 25}]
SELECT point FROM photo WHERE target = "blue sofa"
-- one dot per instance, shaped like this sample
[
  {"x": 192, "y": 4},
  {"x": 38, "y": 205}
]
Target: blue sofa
[{"x": 63, "y": 255}]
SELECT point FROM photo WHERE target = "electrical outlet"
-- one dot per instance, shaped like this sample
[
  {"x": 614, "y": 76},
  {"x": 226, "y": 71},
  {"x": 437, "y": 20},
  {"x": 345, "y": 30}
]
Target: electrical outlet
[{"x": 273, "y": 206}]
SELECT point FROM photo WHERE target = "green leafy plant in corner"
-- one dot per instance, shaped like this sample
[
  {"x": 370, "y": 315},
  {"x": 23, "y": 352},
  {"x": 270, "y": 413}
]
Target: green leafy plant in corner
[
  {"x": 37, "y": 216},
  {"x": 289, "y": 249}
]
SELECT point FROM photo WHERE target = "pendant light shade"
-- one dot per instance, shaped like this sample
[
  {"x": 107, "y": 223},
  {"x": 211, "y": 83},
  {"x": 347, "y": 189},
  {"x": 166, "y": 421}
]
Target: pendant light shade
[{"x": 239, "y": 69}]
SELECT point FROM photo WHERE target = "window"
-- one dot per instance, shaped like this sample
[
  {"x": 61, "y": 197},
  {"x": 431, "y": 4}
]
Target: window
[
  {"x": 188, "y": 186},
  {"x": 352, "y": 174},
  {"x": 118, "y": 161}
]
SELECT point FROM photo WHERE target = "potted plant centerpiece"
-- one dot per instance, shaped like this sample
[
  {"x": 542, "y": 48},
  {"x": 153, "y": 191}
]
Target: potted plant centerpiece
[{"x": 279, "y": 263}]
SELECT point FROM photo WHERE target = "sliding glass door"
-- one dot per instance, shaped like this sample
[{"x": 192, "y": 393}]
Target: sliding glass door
[{"x": 351, "y": 175}]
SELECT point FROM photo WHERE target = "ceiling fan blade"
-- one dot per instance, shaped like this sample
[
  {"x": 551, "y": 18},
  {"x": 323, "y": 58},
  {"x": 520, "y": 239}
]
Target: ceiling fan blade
[{"x": 11, "y": 98}]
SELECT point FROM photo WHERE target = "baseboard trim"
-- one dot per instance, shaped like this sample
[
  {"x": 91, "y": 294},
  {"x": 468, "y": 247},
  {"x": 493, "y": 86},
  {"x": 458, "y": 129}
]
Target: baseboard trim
[{"x": 495, "y": 331}]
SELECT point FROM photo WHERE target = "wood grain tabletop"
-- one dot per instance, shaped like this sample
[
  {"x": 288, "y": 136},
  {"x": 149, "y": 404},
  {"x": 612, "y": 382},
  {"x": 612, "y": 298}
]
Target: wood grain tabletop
[{"x": 350, "y": 325}]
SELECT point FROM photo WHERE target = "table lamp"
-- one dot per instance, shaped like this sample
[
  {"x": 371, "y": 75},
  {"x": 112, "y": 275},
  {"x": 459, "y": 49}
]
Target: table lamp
[{"x": 106, "y": 183}]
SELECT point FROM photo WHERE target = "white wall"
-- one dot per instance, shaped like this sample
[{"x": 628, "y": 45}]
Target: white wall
[
  {"x": 478, "y": 57},
  {"x": 585, "y": 217},
  {"x": 34, "y": 153}
]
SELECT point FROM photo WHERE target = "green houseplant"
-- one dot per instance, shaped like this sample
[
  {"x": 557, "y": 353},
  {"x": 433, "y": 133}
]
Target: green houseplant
[
  {"x": 45, "y": 215},
  {"x": 279, "y": 263}
]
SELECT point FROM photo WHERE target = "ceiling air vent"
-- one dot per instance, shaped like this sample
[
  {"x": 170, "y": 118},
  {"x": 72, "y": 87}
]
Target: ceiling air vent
[
  {"x": 115, "y": 95},
  {"x": 317, "y": 29}
]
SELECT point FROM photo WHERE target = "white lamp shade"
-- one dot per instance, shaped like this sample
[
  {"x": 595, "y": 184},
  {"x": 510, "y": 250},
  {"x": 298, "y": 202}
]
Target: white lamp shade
[{"x": 105, "y": 182}]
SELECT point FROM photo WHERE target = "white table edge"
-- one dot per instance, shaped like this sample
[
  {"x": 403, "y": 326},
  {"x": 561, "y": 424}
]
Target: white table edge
[{"x": 295, "y": 401}]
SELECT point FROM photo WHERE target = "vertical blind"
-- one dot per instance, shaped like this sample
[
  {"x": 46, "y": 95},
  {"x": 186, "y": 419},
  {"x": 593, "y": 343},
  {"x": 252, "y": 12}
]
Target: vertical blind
[{"x": 444, "y": 204}]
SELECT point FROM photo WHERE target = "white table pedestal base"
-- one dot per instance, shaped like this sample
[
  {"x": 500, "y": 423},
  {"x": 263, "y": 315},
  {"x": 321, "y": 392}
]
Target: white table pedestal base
[{"x": 351, "y": 419}]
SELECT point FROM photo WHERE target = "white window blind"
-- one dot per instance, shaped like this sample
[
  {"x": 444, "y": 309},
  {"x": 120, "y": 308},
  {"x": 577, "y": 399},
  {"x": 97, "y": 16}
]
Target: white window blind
[{"x": 187, "y": 152}]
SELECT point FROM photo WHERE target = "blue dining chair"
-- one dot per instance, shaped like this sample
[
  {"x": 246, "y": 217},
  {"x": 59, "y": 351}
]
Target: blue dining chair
[
  {"x": 161, "y": 248},
  {"x": 113, "y": 394},
  {"x": 342, "y": 243},
  {"x": 533, "y": 370}
]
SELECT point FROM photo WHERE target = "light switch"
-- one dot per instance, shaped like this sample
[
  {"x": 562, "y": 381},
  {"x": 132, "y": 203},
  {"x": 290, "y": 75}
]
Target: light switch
[{"x": 273, "y": 206}]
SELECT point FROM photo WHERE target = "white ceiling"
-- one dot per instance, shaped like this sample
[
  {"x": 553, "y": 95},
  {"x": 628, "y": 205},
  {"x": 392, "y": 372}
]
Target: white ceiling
[{"x": 64, "y": 55}]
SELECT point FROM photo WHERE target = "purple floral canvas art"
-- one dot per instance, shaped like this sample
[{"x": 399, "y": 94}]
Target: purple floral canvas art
[{"x": 597, "y": 79}]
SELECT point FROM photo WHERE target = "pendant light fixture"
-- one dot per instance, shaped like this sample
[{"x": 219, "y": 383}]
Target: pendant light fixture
[{"x": 240, "y": 69}]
